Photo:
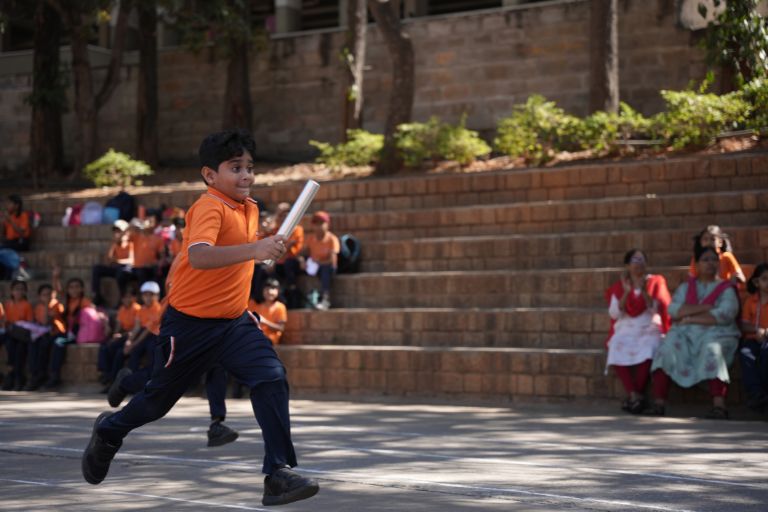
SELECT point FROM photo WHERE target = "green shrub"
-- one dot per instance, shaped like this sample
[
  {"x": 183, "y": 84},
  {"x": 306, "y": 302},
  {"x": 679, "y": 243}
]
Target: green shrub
[
  {"x": 537, "y": 129},
  {"x": 695, "y": 118},
  {"x": 756, "y": 94},
  {"x": 434, "y": 140},
  {"x": 361, "y": 148},
  {"x": 115, "y": 168}
]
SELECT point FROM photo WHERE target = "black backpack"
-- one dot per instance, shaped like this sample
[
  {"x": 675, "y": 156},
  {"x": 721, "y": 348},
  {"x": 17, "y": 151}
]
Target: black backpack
[
  {"x": 349, "y": 257},
  {"x": 125, "y": 204}
]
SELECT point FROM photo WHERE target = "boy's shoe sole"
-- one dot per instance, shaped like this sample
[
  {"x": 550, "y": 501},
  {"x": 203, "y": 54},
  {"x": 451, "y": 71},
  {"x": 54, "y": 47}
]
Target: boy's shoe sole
[
  {"x": 91, "y": 446},
  {"x": 302, "y": 493},
  {"x": 230, "y": 437}
]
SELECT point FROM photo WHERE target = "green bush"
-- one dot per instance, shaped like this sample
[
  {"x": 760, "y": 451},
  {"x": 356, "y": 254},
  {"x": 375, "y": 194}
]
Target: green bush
[
  {"x": 756, "y": 94},
  {"x": 434, "y": 140},
  {"x": 695, "y": 118},
  {"x": 361, "y": 148},
  {"x": 537, "y": 129},
  {"x": 115, "y": 168}
]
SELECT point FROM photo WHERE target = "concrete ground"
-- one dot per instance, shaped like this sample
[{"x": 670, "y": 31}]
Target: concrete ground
[{"x": 390, "y": 456}]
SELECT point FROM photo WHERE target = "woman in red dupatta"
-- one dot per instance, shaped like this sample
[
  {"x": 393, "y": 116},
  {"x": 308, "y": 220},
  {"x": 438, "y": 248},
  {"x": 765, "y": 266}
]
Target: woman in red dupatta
[{"x": 637, "y": 304}]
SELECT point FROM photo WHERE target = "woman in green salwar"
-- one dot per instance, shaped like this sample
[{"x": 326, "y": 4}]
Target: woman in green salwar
[{"x": 703, "y": 339}]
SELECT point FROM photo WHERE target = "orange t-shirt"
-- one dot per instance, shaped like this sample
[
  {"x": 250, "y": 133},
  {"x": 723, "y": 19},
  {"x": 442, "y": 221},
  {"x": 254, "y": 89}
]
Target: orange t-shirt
[
  {"x": 275, "y": 313},
  {"x": 149, "y": 317},
  {"x": 118, "y": 251},
  {"x": 51, "y": 314},
  {"x": 215, "y": 219},
  {"x": 22, "y": 221},
  {"x": 754, "y": 314},
  {"x": 147, "y": 250},
  {"x": 728, "y": 266},
  {"x": 298, "y": 238},
  {"x": 126, "y": 316},
  {"x": 322, "y": 250},
  {"x": 72, "y": 306},
  {"x": 18, "y": 311},
  {"x": 174, "y": 248}
]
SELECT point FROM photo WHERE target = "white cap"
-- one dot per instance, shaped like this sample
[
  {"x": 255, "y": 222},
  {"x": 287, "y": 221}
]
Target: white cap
[
  {"x": 151, "y": 287},
  {"x": 120, "y": 224}
]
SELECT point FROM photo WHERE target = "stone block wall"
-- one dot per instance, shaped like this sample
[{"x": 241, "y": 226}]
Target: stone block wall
[{"x": 479, "y": 64}]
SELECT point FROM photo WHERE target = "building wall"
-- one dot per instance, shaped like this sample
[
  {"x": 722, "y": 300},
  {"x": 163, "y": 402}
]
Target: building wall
[{"x": 479, "y": 63}]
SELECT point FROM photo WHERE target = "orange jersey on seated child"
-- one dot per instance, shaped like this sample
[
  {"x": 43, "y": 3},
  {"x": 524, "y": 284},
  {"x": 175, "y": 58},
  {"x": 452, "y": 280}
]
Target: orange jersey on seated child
[
  {"x": 149, "y": 317},
  {"x": 322, "y": 250},
  {"x": 127, "y": 315},
  {"x": 753, "y": 313},
  {"x": 146, "y": 250},
  {"x": 51, "y": 314},
  {"x": 275, "y": 313},
  {"x": 18, "y": 311},
  {"x": 297, "y": 239},
  {"x": 21, "y": 220}
]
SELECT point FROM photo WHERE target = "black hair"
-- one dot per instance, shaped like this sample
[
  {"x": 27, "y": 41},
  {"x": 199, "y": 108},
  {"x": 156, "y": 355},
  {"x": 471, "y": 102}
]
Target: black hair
[
  {"x": 759, "y": 270},
  {"x": 222, "y": 146},
  {"x": 16, "y": 200},
  {"x": 17, "y": 282},
  {"x": 631, "y": 252},
  {"x": 179, "y": 222},
  {"x": 700, "y": 251},
  {"x": 271, "y": 283},
  {"x": 725, "y": 242},
  {"x": 43, "y": 287}
]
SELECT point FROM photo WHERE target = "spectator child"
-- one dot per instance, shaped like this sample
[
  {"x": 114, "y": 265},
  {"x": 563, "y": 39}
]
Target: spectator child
[
  {"x": 17, "y": 309},
  {"x": 111, "y": 350},
  {"x": 288, "y": 267},
  {"x": 74, "y": 302},
  {"x": 703, "y": 338},
  {"x": 49, "y": 318},
  {"x": 16, "y": 225},
  {"x": 638, "y": 308},
  {"x": 119, "y": 261},
  {"x": 141, "y": 342},
  {"x": 148, "y": 249},
  {"x": 272, "y": 313},
  {"x": 713, "y": 236},
  {"x": 323, "y": 248},
  {"x": 754, "y": 348}
]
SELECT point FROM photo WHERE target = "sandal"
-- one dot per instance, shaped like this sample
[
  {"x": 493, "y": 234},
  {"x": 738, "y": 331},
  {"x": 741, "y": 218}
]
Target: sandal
[
  {"x": 637, "y": 406},
  {"x": 625, "y": 405},
  {"x": 717, "y": 413}
]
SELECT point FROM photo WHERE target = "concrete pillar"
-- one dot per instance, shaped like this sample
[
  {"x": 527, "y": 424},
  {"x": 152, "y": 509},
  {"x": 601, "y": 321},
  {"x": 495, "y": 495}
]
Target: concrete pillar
[{"x": 287, "y": 16}]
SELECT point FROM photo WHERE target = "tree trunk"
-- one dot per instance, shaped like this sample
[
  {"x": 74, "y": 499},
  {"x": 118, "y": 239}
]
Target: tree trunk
[
  {"x": 48, "y": 96},
  {"x": 87, "y": 103},
  {"x": 86, "y": 130},
  {"x": 354, "y": 65},
  {"x": 387, "y": 16},
  {"x": 604, "y": 56},
  {"x": 147, "y": 101},
  {"x": 238, "y": 109}
]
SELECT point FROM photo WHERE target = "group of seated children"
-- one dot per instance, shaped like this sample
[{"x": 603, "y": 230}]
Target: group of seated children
[
  {"x": 693, "y": 335},
  {"x": 316, "y": 254},
  {"x": 35, "y": 339},
  {"x": 16, "y": 232},
  {"x": 140, "y": 251}
]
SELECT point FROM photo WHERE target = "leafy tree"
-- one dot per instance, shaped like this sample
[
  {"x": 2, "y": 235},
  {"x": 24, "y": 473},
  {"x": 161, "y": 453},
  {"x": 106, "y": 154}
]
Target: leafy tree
[
  {"x": 738, "y": 41},
  {"x": 353, "y": 56}
]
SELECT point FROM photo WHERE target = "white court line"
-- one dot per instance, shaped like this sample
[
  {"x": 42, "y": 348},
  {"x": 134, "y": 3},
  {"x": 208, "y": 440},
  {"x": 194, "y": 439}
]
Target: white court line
[
  {"x": 134, "y": 494},
  {"x": 368, "y": 479}
]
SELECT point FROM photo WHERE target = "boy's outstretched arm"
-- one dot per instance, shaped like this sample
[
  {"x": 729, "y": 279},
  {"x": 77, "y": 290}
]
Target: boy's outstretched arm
[{"x": 203, "y": 256}]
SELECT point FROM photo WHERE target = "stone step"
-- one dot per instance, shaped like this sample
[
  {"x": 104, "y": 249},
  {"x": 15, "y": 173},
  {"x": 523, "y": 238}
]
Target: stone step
[
  {"x": 483, "y": 289},
  {"x": 606, "y": 179},
  {"x": 499, "y": 374},
  {"x": 637, "y": 213},
  {"x": 547, "y": 250},
  {"x": 511, "y": 327}
]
